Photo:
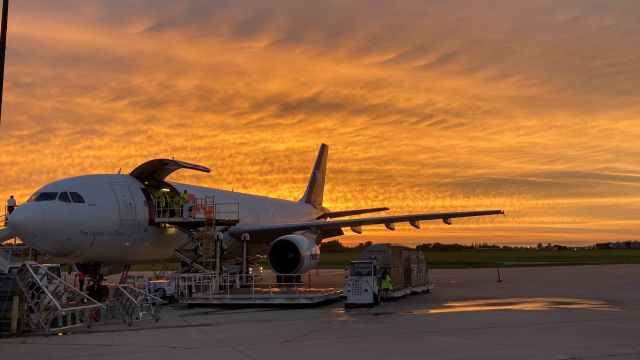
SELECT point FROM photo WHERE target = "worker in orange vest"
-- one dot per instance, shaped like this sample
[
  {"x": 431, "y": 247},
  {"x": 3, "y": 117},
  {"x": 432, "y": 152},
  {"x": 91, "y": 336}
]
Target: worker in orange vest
[{"x": 81, "y": 277}]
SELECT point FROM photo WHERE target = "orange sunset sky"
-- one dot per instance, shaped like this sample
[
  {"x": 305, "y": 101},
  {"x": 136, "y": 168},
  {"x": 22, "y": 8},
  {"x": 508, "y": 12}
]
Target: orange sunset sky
[{"x": 528, "y": 106}]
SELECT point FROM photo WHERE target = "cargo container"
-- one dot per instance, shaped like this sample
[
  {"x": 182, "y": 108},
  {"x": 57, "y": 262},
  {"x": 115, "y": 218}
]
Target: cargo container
[
  {"x": 416, "y": 272},
  {"x": 386, "y": 257},
  {"x": 407, "y": 268}
]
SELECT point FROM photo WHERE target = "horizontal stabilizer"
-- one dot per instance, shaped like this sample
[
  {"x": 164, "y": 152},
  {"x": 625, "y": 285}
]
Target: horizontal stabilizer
[{"x": 338, "y": 214}]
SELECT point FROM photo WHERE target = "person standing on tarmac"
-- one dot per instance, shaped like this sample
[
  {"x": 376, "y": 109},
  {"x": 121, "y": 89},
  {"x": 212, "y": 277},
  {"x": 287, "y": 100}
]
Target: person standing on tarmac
[
  {"x": 385, "y": 286},
  {"x": 11, "y": 205},
  {"x": 81, "y": 277}
]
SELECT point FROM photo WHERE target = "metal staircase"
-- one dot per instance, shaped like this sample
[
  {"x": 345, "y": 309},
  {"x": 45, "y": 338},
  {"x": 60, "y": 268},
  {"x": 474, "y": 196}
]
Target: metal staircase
[
  {"x": 192, "y": 263},
  {"x": 5, "y": 232},
  {"x": 200, "y": 219},
  {"x": 4, "y": 217},
  {"x": 53, "y": 304},
  {"x": 12, "y": 309},
  {"x": 133, "y": 304},
  {"x": 10, "y": 255}
]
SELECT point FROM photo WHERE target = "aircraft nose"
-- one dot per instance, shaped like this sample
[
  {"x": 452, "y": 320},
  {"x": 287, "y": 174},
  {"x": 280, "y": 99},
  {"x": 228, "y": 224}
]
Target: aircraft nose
[{"x": 26, "y": 222}]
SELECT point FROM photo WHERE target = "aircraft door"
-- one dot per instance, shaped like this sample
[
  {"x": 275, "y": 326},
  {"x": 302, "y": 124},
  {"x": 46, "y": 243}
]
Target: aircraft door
[{"x": 125, "y": 202}]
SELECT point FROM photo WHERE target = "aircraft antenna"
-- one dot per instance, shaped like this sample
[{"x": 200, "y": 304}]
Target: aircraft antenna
[{"x": 3, "y": 48}]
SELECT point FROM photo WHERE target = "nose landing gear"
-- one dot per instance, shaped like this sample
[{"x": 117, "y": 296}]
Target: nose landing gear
[{"x": 96, "y": 290}]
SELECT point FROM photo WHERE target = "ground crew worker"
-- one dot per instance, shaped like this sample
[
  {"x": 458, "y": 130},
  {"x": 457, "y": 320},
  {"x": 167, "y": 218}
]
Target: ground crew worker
[
  {"x": 162, "y": 204},
  {"x": 183, "y": 203},
  {"x": 81, "y": 277},
  {"x": 385, "y": 286},
  {"x": 11, "y": 205},
  {"x": 171, "y": 207}
]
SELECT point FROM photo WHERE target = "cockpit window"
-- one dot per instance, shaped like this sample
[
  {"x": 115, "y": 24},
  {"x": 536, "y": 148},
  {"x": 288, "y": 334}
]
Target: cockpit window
[
  {"x": 64, "y": 197},
  {"x": 46, "y": 196},
  {"x": 32, "y": 197},
  {"x": 77, "y": 198}
]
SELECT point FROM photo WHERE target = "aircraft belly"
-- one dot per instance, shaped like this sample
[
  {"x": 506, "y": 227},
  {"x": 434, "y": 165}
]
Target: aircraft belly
[
  {"x": 155, "y": 245},
  {"x": 233, "y": 248}
]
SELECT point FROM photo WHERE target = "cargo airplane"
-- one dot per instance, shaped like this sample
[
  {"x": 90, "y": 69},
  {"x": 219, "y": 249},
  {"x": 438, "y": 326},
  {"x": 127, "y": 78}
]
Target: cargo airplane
[{"x": 107, "y": 221}]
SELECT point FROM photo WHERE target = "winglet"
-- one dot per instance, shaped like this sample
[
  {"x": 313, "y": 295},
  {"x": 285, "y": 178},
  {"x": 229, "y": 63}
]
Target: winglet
[{"x": 315, "y": 189}]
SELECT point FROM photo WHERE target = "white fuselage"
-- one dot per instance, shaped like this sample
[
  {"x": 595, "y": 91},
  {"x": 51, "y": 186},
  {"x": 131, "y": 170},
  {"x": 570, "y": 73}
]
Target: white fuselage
[{"x": 113, "y": 224}]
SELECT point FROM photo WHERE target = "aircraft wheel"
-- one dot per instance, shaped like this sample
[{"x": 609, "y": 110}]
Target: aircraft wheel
[{"x": 96, "y": 315}]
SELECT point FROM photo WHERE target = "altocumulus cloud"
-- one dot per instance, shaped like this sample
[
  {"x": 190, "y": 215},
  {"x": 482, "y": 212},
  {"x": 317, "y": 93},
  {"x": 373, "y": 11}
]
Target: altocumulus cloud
[{"x": 427, "y": 105}]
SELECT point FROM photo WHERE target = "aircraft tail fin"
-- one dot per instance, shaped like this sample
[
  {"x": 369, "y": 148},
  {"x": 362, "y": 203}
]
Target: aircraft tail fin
[{"x": 315, "y": 188}]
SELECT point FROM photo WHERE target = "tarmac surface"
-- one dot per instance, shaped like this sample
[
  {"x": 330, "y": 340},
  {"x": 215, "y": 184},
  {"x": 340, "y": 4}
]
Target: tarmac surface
[{"x": 564, "y": 312}]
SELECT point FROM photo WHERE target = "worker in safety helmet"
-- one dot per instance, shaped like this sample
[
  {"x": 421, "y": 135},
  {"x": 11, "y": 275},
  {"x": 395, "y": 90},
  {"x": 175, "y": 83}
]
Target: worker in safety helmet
[
  {"x": 385, "y": 286},
  {"x": 161, "y": 204}
]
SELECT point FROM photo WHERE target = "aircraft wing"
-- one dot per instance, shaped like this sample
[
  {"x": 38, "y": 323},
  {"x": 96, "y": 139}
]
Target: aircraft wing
[{"x": 332, "y": 228}]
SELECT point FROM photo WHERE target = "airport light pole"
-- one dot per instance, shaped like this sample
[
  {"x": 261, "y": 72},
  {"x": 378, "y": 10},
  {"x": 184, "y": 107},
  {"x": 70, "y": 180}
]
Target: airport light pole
[{"x": 3, "y": 48}]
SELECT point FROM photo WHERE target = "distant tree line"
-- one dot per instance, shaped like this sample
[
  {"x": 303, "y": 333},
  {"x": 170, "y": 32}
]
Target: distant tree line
[
  {"x": 454, "y": 247},
  {"x": 337, "y": 246},
  {"x": 549, "y": 246}
]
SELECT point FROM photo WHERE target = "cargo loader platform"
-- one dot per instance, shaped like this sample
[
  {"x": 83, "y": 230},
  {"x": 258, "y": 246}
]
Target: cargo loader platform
[{"x": 211, "y": 289}]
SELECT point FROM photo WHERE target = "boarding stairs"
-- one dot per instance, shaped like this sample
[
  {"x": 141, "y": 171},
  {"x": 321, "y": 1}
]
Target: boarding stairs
[
  {"x": 4, "y": 217},
  {"x": 133, "y": 304},
  {"x": 54, "y": 305},
  {"x": 5, "y": 232},
  {"x": 12, "y": 252},
  {"x": 15, "y": 254},
  {"x": 12, "y": 309}
]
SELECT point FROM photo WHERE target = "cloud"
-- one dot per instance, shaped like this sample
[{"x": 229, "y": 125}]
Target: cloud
[{"x": 427, "y": 105}]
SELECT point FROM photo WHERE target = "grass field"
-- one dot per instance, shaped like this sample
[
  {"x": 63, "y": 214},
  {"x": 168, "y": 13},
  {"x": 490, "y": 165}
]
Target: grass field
[
  {"x": 504, "y": 258},
  {"x": 477, "y": 259}
]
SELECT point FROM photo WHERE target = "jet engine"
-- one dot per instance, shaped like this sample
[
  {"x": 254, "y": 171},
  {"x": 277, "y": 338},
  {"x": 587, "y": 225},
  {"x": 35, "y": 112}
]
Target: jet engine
[{"x": 293, "y": 254}]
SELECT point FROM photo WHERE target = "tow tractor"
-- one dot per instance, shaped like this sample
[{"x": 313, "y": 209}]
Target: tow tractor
[
  {"x": 361, "y": 285},
  {"x": 162, "y": 288}
]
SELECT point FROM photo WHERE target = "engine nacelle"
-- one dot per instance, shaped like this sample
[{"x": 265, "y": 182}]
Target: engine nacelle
[{"x": 293, "y": 254}]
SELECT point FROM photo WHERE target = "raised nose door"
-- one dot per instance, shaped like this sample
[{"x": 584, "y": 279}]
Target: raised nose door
[{"x": 125, "y": 202}]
